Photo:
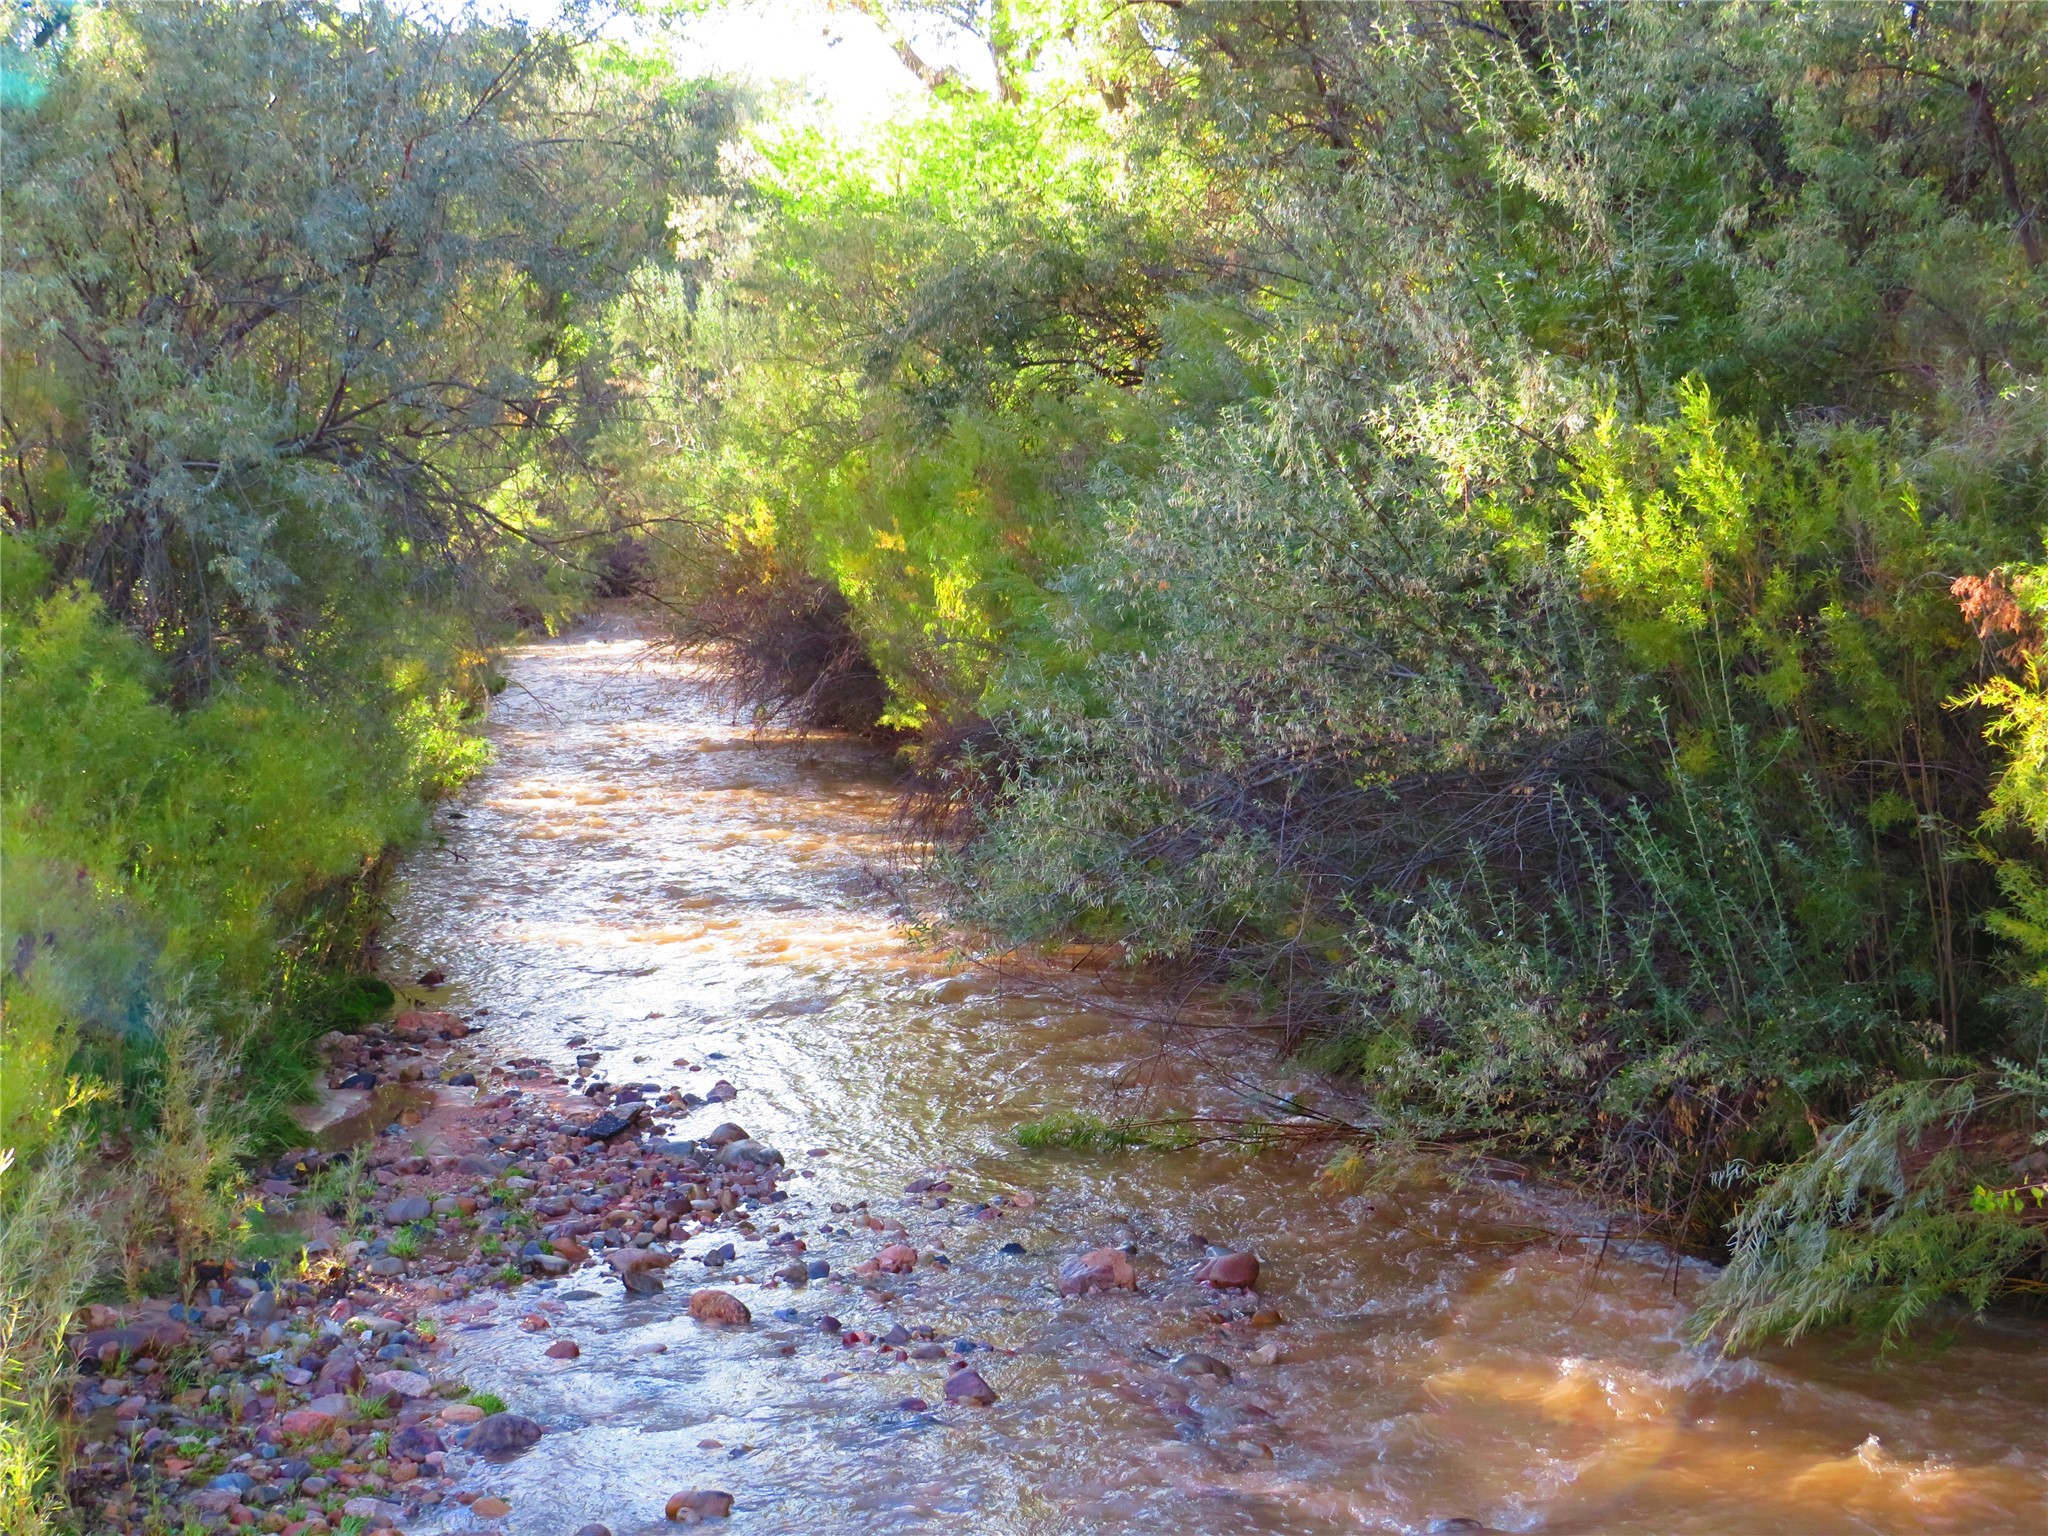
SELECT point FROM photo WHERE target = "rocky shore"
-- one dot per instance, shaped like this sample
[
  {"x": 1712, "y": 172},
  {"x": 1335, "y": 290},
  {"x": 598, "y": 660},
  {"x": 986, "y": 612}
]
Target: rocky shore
[{"x": 320, "y": 1395}]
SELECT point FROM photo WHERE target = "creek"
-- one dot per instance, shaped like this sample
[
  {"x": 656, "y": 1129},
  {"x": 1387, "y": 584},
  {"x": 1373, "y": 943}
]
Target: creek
[{"x": 638, "y": 873}]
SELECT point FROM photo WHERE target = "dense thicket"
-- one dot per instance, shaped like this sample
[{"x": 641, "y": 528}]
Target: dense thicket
[
  {"x": 1501, "y": 527},
  {"x": 307, "y": 389}
]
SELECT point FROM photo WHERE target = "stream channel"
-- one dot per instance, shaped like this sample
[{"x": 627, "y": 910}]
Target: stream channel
[{"x": 639, "y": 871}]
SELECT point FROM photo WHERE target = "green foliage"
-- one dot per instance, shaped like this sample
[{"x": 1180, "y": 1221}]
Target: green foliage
[
  {"x": 149, "y": 848},
  {"x": 1072, "y": 1131},
  {"x": 304, "y": 304},
  {"x": 51, "y": 1243},
  {"x": 1455, "y": 520},
  {"x": 1874, "y": 1226}
]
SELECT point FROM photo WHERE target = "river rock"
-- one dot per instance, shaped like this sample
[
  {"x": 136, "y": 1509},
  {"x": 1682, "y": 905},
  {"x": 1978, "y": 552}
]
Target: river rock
[
  {"x": 726, "y": 1134},
  {"x": 897, "y": 1259},
  {"x": 637, "y": 1268},
  {"x": 307, "y": 1423},
  {"x": 966, "y": 1386},
  {"x": 563, "y": 1349},
  {"x": 462, "y": 1413},
  {"x": 502, "y": 1434},
  {"x": 1195, "y": 1363},
  {"x": 411, "y": 1208},
  {"x": 421, "y": 1023},
  {"x": 749, "y": 1152},
  {"x": 1231, "y": 1272},
  {"x": 401, "y": 1384},
  {"x": 1099, "y": 1269},
  {"x": 594, "y": 1529},
  {"x": 490, "y": 1507},
  {"x": 696, "y": 1504},
  {"x": 413, "y": 1442},
  {"x": 607, "y": 1126},
  {"x": 337, "y": 1406},
  {"x": 376, "y": 1511},
  {"x": 342, "y": 1371},
  {"x": 150, "y": 1338},
  {"x": 719, "y": 1309}
]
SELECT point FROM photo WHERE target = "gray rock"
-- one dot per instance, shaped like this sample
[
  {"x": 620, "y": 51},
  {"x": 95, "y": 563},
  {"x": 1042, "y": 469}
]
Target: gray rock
[
  {"x": 411, "y": 1208},
  {"x": 502, "y": 1434},
  {"x": 725, "y": 1135},
  {"x": 749, "y": 1151},
  {"x": 412, "y": 1441}
]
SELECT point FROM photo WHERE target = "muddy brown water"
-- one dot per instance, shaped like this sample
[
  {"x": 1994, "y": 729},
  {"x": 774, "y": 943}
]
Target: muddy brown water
[{"x": 636, "y": 869}]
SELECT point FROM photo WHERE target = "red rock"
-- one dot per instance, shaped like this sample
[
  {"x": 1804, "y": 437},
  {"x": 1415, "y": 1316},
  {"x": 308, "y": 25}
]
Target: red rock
[
  {"x": 490, "y": 1507},
  {"x": 1099, "y": 1269},
  {"x": 563, "y": 1349},
  {"x": 307, "y": 1422},
  {"x": 966, "y": 1386},
  {"x": 719, "y": 1309},
  {"x": 1231, "y": 1272},
  {"x": 897, "y": 1259},
  {"x": 696, "y": 1504}
]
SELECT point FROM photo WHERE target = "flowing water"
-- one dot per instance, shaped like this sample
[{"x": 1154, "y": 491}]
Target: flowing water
[{"x": 636, "y": 870}]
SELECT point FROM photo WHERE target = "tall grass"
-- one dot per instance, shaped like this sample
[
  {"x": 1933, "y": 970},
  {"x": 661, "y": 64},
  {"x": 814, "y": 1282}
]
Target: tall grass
[{"x": 53, "y": 1239}]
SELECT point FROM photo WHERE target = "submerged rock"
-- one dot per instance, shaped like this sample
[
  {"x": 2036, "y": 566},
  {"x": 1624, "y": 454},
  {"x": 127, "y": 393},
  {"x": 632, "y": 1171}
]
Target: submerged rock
[
  {"x": 1099, "y": 1269},
  {"x": 719, "y": 1309},
  {"x": 966, "y": 1385},
  {"x": 1195, "y": 1363},
  {"x": 638, "y": 1267},
  {"x": 696, "y": 1504},
  {"x": 1231, "y": 1272},
  {"x": 749, "y": 1152}
]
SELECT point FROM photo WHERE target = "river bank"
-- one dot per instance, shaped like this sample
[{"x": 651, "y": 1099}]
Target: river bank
[{"x": 637, "y": 888}]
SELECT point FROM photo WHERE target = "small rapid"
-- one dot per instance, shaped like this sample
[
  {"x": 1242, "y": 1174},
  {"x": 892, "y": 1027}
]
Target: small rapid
[{"x": 638, "y": 876}]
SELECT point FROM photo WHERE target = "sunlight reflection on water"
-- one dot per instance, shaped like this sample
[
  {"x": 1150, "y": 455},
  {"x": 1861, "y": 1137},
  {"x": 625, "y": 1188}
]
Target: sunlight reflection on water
[{"x": 637, "y": 870}]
